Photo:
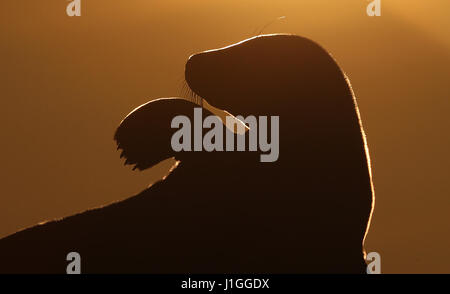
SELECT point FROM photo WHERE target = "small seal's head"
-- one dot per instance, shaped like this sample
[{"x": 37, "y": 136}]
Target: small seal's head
[{"x": 144, "y": 135}]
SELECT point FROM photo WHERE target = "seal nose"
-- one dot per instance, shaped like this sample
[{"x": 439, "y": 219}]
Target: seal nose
[
  {"x": 209, "y": 76},
  {"x": 197, "y": 72},
  {"x": 189, "y": 71}
]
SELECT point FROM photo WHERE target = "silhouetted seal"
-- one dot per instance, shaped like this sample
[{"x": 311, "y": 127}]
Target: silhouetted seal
[
  {"x": 317, "y": 197},
  {"x": 322, "y": 180},
  {"x": 226, "y": 211}
]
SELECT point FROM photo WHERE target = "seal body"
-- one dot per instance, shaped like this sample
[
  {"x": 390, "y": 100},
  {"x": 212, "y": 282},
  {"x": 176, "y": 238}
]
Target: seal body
[{"x": 221, "y": 212}]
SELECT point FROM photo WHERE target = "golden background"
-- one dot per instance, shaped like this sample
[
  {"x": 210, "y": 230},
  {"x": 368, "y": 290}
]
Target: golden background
[{"x": 67, "y": 82}]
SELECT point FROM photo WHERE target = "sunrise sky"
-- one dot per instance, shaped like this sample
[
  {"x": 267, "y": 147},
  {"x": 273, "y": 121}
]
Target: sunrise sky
[{"x": 67, "y": 83}]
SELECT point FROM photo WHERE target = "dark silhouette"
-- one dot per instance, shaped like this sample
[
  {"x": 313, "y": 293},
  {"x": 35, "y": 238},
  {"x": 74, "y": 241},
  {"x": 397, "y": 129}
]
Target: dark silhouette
[{"x": 227, "y": 212}]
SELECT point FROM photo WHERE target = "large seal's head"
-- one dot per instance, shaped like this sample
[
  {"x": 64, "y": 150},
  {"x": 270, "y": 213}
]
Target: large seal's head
[{"x": 270, "y": 73}]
